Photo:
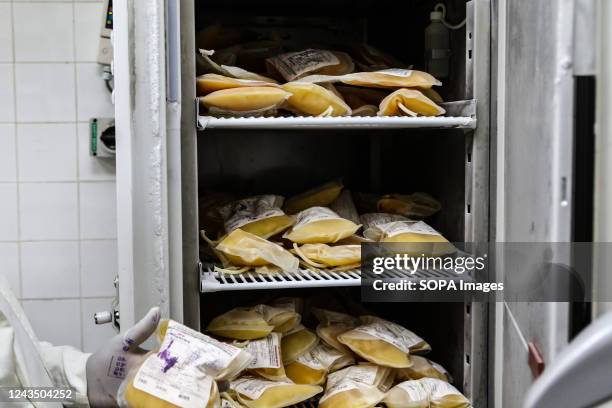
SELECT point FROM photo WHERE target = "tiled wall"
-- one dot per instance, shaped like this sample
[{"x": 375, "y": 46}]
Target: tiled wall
[{"x": 57, "y": 204}]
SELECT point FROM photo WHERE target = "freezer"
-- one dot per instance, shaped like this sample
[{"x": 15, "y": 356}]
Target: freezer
[{"x": 496, "y": 161}]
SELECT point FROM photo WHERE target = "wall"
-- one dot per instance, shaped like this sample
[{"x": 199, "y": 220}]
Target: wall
[{"x": 57, "y": 204}]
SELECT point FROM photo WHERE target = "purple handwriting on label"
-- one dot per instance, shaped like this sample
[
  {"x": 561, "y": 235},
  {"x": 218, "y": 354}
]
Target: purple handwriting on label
[
  {"x": 127, "y": 343},
  {"x": 117, "y": 367},
  {"x": 169, "y": 360}
]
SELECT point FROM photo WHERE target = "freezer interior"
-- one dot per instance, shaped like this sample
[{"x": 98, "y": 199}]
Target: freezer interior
[
  {"x": 288, "y": 162},
  {"x": 397, "y": 29},
  {"x": 377, "y": 161},
  {"x": 440, "y": 324}
]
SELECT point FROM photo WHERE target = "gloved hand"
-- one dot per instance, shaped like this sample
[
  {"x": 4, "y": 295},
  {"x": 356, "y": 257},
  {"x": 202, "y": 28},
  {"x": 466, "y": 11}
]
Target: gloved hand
[{"x": 107, "y": 367}]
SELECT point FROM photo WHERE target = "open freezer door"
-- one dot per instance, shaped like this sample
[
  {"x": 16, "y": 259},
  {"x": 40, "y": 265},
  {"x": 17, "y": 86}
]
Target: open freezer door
[
  {"x": 580, "y": 377},
  {"x": 147, "y": 108},
  {"x": 534, "y": 179}
]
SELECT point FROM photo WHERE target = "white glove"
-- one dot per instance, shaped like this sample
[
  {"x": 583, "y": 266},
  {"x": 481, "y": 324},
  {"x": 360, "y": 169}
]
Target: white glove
[{"x": 107, "y": 367}]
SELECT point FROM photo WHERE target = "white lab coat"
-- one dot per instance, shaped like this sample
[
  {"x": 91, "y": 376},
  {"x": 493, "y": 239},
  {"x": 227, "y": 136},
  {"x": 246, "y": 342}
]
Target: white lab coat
[{"x": 26, "y": 362}]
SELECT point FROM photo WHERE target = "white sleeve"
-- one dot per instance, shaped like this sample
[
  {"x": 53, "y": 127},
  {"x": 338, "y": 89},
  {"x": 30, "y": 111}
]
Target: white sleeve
[
  {"x": 66, "y": 366},
  {"x": 8, "y": 365}
]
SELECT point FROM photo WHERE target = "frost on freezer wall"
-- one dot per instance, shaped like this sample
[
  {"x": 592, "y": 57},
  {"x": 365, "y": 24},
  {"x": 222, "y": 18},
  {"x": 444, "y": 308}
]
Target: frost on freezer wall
[
  {"x": 143, "y": 111},
  {"x": 57, "y": 225},
  {"x": 154, "y": 76}
]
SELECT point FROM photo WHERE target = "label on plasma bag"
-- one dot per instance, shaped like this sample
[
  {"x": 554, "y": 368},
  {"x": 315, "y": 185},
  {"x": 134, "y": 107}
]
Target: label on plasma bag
[
  {"x": 266, "y": 352},
  {"x": 183, "y": 369}
]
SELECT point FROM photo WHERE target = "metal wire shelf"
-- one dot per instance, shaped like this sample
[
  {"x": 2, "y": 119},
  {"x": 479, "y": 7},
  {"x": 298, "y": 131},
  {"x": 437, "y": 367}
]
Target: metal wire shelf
[
  {"x": 212, "y": 281},
  {"x": 209, "y": 122},
  {"x": 461, "y": 115}
]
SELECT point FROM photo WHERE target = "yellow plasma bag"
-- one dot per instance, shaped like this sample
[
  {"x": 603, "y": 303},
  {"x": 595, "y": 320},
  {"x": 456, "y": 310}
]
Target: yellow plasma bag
[
  {"x": 259, "y": 215},
  {"x": 320, "y": 196},
  {"x": 358, "y": 386},
  {"x": 425, "y": 393},
  {"x": 323, "y": 255},
  {"x": 296, "y": 343},
  {"x": 282, "y": 318},
  {"x": 260, "y": 393},
  {"x": 421, "y": 368},
  {"x": 416, "y": 205},
  {"x": 267, "y": 359},
  {"x": 418, "y": 238},
  {"x": 241, "y": 248},
  {"x": 408, "y": 394},
  {"x": 315, "y": 100},
  {"x": 386, "y": 78},
  {"x": 332, "y": 324},
  {"x": 244, "y": 101},
  {"x": 320, "y": 225},
  {"x": 172, "y": 375},
  {"x": 240, "y": 324},
  {"x": 409, "y": 102},
  {"x": 382, "y": 342},
  {"x": 312, "y": 367},
  {"x": 208, "y": 83}
]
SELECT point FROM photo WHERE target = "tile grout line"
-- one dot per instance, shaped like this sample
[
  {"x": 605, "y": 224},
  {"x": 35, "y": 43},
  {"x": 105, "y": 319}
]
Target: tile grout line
[
  {"x": 60, "y": 181},
  {"x": 42, "y": 2},
  {"x": 34, "y": 241},
  {"x": 16, "y": 136},
  {"x": 56, "y": 62},
  {"x": 24, "y": 122},
  {"x": 67, "y": 298}
]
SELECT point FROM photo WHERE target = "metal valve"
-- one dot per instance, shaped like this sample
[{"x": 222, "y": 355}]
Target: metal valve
[
  {"x": 107, "y": 317},
  {"x": 103, "y": 317},
  {"x": 112, "y": 316}
]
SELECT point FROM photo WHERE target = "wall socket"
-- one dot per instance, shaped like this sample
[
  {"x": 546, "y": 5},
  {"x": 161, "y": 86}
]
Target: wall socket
[
  {"x": 105, "y": 47},
  {"x": 102, "y": 137}
]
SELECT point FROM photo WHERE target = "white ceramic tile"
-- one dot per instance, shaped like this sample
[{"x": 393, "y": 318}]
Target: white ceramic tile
[
  {"x": 6, "y": 33},
  {"x": 43, "y": 32},
  {"x": 45, "y": 92},
  {"x": 95, "y": 335},
  {"x": 93, "y": 99},
  {"x": 90, "y": 167},
  {"x": 87, "y": 25},
  {"x": 50, "y": 269},
  {"x": 9, "y": 265},
  {"x": 41, "y": 1},
  {"x": 55, "y": 321},
  {"x": 7, "y": 94},
  {"x": 47, "y": 152},
  {"x": 48, "y": 211},
  {"x": 8, "y": 159},
  {"x": 98, "y": 268},
  {"x": 9, "y": 225},
  {"x": 98, "y": 210}
]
